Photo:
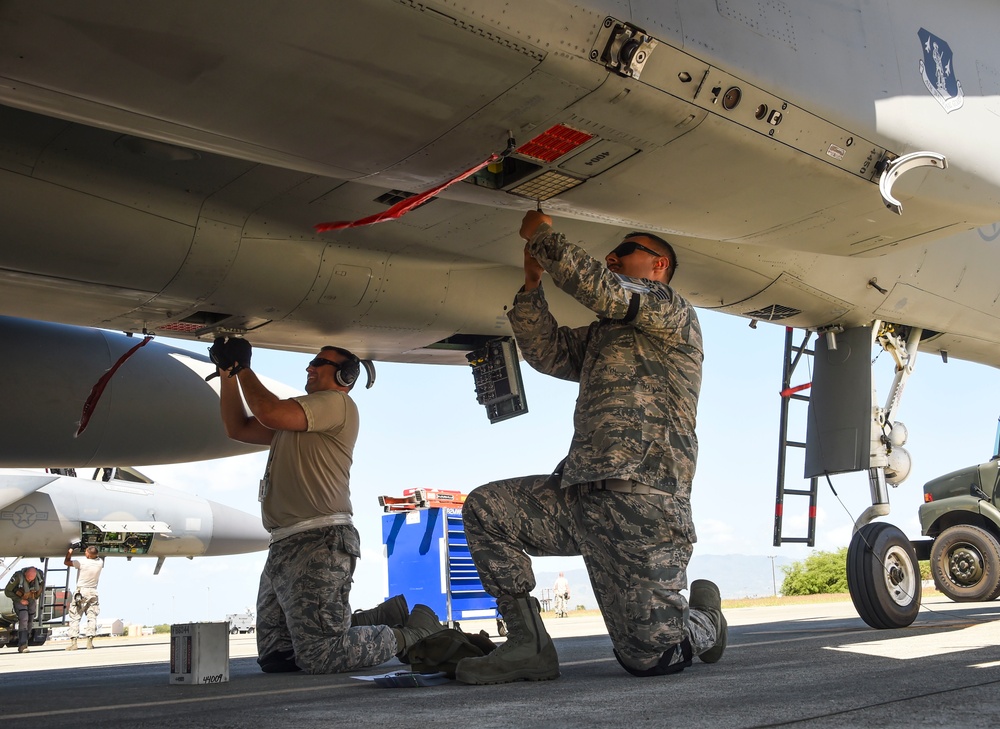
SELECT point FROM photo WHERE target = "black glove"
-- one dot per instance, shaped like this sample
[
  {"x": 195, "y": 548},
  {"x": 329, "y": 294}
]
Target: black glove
[
  {"x": 229, "y": 354},
  {"x": 239, "y": 350},
  {"x": 75, "y": 544},
  {"x": 220, "y": 355}
]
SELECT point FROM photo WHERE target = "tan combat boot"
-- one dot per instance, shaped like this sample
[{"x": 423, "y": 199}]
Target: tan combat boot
[
  {"x": 393, "y": 612},
  {"x": 528, "y": 654},
  {"x": 90, "y": 642},
  {"x": 705, "y": 597},
  {"x": 420, "y": 623},
  {"x": 72, "y": 645}
]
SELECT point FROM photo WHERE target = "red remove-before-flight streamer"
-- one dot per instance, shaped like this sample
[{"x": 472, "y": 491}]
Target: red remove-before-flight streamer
[{"x": 404, "y": 206}]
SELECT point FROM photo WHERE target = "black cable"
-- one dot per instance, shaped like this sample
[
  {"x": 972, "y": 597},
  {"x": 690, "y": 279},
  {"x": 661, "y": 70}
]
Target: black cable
[{"x": 871, "y": 549}]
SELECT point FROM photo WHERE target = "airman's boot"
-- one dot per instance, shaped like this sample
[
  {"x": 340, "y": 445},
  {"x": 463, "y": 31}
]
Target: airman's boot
[
  {"x": 22, "y": 641},
  {"x": 72, "y": 645},
  {"x": 421, "y": 623},
  {"x": 90, "y": 642},
  {"x": 393, "y": 612},
  {"x": 527, "y": 655},
  {"x": 706, "y": 598}
]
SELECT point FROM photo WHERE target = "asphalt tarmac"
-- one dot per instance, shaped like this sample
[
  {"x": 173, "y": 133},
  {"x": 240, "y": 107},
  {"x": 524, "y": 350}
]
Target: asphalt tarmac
[{"x": 797, "y": 666}]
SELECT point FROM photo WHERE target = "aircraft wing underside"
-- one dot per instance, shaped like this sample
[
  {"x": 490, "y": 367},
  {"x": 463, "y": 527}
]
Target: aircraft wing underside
[{"x": 162, "y": 169}]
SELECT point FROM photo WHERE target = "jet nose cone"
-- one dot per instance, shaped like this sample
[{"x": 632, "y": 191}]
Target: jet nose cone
[{"x": 235, "y": 532}]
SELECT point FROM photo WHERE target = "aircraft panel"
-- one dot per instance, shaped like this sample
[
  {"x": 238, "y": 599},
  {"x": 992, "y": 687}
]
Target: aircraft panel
[
  {"x": 259, "y": 77},
  {"x": 949, "y": 315},
  {"x": 33, "y": 526},
  {"x": 19, "y": 487},
  {"x": 115, "y": 259},
  {"x": 791, "y": 302}
]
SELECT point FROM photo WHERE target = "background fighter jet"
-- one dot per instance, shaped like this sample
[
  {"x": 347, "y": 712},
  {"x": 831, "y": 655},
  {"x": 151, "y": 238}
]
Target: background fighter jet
[{"x": 122, "y": 513}]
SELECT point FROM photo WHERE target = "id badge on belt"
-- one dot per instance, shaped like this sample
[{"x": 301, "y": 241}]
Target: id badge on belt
[{"x": 265, "y": 484}]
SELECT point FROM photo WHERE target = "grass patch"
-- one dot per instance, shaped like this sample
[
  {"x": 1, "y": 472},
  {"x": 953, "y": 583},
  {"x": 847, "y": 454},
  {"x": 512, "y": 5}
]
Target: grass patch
[{"x": 787, "y": 600}]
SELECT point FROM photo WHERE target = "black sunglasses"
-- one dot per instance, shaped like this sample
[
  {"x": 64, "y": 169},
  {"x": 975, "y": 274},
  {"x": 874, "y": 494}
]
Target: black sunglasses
[
  {"x": 628, "y": 247},
  {"x": 320, "y": 361}
]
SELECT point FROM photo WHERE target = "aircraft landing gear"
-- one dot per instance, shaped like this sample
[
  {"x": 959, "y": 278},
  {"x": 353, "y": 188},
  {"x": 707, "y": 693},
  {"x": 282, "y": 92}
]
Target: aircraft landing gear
[{"x": 883, "y": 576}]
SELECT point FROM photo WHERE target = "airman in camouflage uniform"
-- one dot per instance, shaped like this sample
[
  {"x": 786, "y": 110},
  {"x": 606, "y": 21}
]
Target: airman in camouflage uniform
[
  {"x": 304, "y": 619},
  {"x": 621, "y": 498}
]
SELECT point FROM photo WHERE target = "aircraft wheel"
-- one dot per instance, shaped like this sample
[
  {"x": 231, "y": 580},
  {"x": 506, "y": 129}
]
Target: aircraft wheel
[
  {"x": 883, "y": 576},
  {"x": 965, "y": 563}
]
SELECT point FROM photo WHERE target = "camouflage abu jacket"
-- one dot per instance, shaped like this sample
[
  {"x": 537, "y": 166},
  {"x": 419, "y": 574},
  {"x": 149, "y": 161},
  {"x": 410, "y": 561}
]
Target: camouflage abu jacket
[{"x": 639, "y": 381}]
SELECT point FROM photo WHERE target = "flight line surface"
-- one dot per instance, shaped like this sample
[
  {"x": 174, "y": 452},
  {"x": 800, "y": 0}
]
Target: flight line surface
[{"x": 801, "y": 665}]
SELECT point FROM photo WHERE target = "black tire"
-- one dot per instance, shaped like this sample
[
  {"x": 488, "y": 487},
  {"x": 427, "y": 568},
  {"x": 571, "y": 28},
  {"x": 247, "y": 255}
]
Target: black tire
[
  {"x": 883, "y": 576},
  {"x": 233, "y": 631},
  {"x": 965, "y": 564}
]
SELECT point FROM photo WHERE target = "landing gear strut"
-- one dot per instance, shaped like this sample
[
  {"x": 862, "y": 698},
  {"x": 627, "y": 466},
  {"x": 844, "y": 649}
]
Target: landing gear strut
[{"x": 848, "y": 431}]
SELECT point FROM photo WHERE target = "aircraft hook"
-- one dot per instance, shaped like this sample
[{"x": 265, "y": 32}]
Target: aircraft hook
[{"x": 899, "y": 166}]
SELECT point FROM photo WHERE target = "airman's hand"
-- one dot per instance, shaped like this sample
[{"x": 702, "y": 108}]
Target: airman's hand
[
  {"x": 532, "y": 219},
  {"x": 532, "y": 271}
]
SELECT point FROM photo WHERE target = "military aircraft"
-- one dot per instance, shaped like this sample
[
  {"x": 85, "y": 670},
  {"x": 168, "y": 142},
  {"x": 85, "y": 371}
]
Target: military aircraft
[
  {"x": 827, "y": 165},
  {"x": 121, "y": 512},
  {"x": 118, "y": 510}
]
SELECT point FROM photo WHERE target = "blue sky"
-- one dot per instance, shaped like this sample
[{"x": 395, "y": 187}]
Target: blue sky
[{"x": 422, "y": 427}]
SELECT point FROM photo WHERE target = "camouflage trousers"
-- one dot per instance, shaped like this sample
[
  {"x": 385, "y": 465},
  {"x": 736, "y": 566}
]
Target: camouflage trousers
[
  {"x": 303, "y": 604},
  {"x": 636, "y": 549},
  {"x": 86, "y": 606}
]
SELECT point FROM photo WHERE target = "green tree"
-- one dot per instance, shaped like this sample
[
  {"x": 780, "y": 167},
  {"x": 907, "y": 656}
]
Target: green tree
[
  {"x": 819, "y": 573},
  {"x": 925, "y": 569}
]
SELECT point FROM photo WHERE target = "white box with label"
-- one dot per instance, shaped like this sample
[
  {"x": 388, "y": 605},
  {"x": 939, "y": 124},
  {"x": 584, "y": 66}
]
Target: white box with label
[{"x": 199, "y": 653}]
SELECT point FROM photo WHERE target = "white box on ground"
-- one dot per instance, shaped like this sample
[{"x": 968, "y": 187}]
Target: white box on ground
[{"x": 199, "y": 653}]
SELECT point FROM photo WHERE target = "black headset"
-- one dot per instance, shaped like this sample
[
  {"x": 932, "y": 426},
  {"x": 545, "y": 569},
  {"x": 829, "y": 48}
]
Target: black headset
[{"x": 348, "y": 371}]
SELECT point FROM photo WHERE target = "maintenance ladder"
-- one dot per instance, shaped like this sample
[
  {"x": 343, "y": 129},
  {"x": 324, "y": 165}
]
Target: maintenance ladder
[
  {"x": 54, "y": 604},
  {"x": 789, "y": 394}
]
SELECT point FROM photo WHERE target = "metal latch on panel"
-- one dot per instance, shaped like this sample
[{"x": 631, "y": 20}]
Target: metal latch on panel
[
  {"x": 622, "y": 48},
  {"x": 898, "y": 166}
]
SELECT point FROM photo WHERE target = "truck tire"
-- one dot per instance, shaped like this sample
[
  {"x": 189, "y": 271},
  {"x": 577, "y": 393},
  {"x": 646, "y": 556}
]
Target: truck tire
[
  {"x": 233, "y": 631},
  {"x": 965, "y": 564}
]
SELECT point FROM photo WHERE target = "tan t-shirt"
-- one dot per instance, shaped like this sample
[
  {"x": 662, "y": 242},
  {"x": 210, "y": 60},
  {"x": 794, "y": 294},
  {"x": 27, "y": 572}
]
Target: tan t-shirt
[
  {"x": 310, "y": 470},
  {"x": 89, "y": 572}
]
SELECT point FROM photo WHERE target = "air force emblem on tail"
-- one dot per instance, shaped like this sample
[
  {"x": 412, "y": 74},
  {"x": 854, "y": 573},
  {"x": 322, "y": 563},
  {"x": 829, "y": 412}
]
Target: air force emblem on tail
[{"x": 938, "y": 71}]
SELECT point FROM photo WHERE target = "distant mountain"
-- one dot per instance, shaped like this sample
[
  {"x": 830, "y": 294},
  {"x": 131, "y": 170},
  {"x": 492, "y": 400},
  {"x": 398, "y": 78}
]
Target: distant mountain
[{"x": 737, "y": 575}]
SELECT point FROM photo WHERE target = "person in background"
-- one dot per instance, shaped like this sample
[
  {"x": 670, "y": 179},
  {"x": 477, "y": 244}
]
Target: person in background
[
  {"x": 24, "y": 588},
  {"x": 85, "y": 603},
  {"x": 561, "y": 593}
]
